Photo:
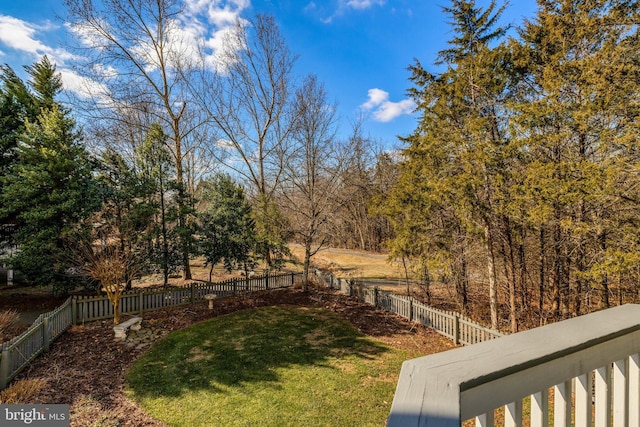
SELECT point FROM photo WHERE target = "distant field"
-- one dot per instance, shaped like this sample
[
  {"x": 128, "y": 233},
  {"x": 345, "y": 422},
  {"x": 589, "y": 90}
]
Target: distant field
[{"x": 353, "y": 264}]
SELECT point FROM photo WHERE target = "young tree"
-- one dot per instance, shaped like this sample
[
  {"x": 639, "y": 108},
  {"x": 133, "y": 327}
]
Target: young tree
[
  {"x": 110, "y": 266},
  {"x": 49, "y": 191},
  {"x": 157, "y": 173},
  {"x": 226, "y": 230},
  {"x": 251, "y": 104},
  {"x": 313, "y": 175}
]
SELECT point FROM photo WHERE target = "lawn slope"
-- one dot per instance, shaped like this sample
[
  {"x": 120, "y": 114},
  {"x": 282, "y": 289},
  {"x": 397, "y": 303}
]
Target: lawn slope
[{"x": 272, "y": 366}]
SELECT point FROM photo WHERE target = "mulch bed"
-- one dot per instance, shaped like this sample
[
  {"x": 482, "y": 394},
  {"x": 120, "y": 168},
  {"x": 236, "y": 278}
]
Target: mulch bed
[{"x": 85, "y": 367}]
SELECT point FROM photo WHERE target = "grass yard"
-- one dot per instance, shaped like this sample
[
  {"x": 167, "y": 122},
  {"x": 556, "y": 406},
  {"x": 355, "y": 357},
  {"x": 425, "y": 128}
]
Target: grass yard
[{"x": 272, "y": 366}]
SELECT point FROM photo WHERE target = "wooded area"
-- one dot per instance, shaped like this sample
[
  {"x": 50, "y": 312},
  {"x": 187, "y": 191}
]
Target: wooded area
[
  {"x": 525, "y": 159},
  {"x": 520, "y": 176}
]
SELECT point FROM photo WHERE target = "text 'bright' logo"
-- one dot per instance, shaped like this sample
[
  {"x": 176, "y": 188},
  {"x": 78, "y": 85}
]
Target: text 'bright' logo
[{"x": 34, "y": 415}]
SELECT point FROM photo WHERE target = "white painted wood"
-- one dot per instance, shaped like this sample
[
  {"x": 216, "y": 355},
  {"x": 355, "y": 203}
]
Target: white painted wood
[
  {"x": 513, "y": 414},
  {"x": 540, "y": 409},
  {"x": 583, "y": 399},
  {"x": 634, "y": 390},
  {"x": 562, "y": 404},
  {"x": 446, "y": 388},
  {"x": 485, "y": 420},
  {"x": 603, "y": 402},
  {"x": 620, "y": 393}
]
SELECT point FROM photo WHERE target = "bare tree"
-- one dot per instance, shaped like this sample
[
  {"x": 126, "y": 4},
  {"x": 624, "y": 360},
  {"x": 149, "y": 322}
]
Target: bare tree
[
  {"x": 110, "y": 265},
  {"x": 251, "y": 104},
  {"x": 137, "y": 61},
  {"x": 313, "y": 174}
]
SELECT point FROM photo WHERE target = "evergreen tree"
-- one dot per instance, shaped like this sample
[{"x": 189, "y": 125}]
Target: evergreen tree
[
  {"x": 456, "y": 155},
  {"x": 157, "y": 176},
  {"x": 227, "y": 231},
  {"x": 48, "y": 190},
  {"x": 578, "y": 112}
]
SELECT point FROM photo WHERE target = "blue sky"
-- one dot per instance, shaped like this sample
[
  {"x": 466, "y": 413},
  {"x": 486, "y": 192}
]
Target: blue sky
[{"x": 360, "y": 49}]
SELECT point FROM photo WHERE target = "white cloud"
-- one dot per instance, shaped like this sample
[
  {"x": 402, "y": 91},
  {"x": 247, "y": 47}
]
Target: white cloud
[
  {"x": 384, "y": 110},
  {"x": 20, "y": 35},
  {"x": 224, "y": 144},
  {"x": 82, "y": 86},
  {"x": 208, "y": 23},
  {"x": 364, "y": 4},
  {"x": 24, "y": 36}
]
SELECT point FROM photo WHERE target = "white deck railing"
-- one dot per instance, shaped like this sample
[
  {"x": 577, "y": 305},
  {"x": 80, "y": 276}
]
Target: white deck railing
[{"x": 590, "y": 365}]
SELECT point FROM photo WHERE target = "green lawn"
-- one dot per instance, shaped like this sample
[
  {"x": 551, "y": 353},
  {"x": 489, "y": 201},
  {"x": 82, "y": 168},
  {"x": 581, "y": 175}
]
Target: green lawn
[{"x": 274, "y": 366}]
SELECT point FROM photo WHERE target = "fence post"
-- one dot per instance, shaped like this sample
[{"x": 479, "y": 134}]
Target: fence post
[
  {"x": 410, "y": 309},
  {"x": 46, "y": 333},
  {"x": 141, "y": 301},
  {"x": 193, "y": 292},
  {"x": 4, "y": 367},
  {"x": 74, "y": 310},
  {"x": 375, "y": 297},
  {"x": 350, "y": 287},
  {"x": 293, "y": 280},
  {"x": 456, "y": 329},
  {"x": 266, "y": 282},
  {"x": 235, "y": 287}
]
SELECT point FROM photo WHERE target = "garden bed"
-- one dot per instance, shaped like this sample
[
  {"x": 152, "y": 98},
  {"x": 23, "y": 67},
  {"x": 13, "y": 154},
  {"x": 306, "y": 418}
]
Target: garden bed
[{"x": 85, "y": 367}]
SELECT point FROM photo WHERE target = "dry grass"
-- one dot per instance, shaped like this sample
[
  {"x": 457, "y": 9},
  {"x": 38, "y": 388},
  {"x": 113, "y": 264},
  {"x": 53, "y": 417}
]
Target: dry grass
[
  {"x": 22, "y": 391},
  {"x": 9, "y": 319},
  {"x": 353, "y": 264}
]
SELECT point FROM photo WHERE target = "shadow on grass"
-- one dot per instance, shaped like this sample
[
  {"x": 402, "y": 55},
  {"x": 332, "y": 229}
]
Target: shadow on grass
[{"x": 246, "y": 347}]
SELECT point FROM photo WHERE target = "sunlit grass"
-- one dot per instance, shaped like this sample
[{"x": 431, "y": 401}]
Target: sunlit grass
[{"x": 272, "y": 366}]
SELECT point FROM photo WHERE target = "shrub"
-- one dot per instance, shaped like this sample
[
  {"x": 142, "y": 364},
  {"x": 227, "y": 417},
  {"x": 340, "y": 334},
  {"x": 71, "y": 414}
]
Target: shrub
[
  {"x": 9, "y": 319},
  {"x": 22, "y": 391}
]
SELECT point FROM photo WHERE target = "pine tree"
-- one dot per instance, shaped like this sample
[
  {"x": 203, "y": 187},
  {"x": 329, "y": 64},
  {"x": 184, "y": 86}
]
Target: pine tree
[
  {"x": 49, "y": 189},
  {"x": 578, "y": 114},
  {"x": 226, "y": 225},
  {"x": 455, "y": 156}
]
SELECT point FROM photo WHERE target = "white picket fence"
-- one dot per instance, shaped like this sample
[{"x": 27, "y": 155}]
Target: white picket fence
[
  {"x": 458, "y": 328},
  {"x": 17, "y": 353}
]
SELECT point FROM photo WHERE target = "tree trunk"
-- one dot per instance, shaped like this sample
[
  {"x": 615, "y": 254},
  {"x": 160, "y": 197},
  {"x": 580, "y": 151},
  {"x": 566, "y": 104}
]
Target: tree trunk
[
  {"x": 491, "y": 271},
  {"x": 459, "y": 270},
  {"x": 116, "y": 309},
  {"x": 541, "y": 276},
  {"x": 307, "y": 262},
  {"x": 165, "y": 243},
  {"x": 556, "y": 277},
  {"x": 605, "y": 302}
]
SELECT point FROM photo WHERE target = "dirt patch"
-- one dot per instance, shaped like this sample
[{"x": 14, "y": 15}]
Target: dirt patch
[{"x": 85, "y": 367}]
